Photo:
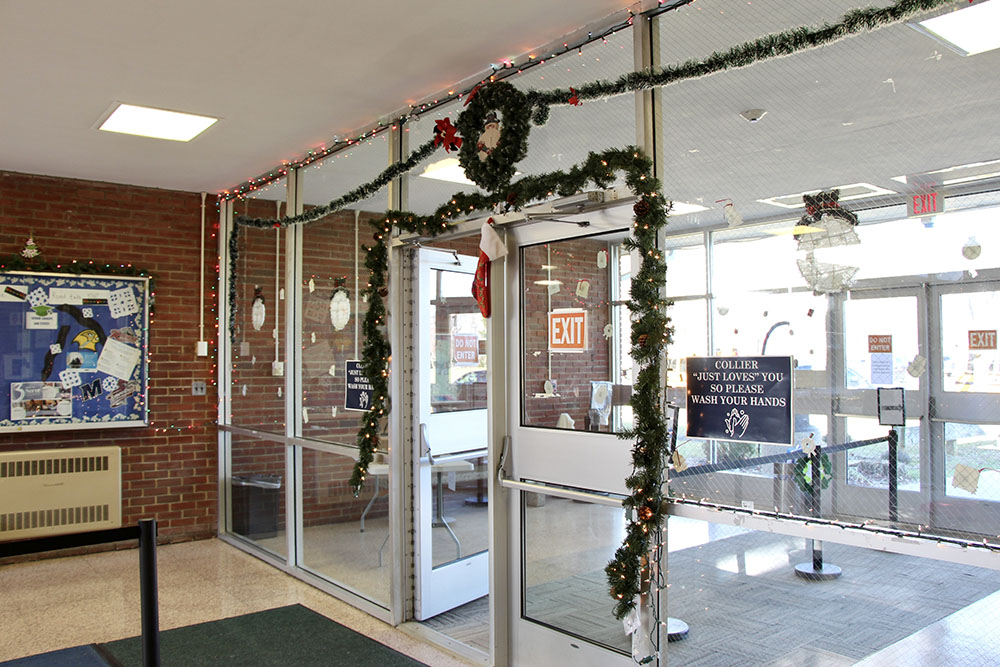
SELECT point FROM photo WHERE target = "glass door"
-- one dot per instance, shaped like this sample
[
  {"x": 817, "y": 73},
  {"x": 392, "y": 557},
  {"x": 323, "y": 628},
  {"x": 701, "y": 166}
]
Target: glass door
[
  {"x": 567, "y": 337},
  {"x": 883, "y": 345},
  {"x": 450, "y": 503},
  {"x": 966, "y": 407}
]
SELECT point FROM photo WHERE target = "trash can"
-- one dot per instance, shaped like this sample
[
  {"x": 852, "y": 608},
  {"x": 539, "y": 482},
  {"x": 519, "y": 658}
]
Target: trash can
[{"x": 255, "y": 505}]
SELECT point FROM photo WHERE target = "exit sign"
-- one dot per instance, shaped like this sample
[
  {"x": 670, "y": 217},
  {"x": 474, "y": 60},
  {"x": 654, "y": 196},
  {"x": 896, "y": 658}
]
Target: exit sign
[
  {"x": 568, "y": 330},
  {"x": 924, "y": 204},
  {"x": 984, "y": 339}
]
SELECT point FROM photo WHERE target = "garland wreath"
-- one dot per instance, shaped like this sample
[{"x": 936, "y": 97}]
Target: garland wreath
[{"x": 803, "y": 472}]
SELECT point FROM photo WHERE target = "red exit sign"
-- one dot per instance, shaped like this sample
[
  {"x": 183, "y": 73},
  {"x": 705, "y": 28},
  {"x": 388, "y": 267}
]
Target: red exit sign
[
  {"x": 924, "y": 204},
  {"x": 985, "y": 339},
  {"x": 568, "y": 330}
]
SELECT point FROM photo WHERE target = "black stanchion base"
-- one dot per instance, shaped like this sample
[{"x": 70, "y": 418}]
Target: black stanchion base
[
  {"x": 676, "y": 629},
  {"x": 810, "y": 573},
  {"x": 477, "y": 501}
]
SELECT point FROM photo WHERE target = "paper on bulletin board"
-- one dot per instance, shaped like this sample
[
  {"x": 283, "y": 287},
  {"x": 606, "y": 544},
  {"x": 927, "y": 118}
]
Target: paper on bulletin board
[
  {"x": 78, "y": 297},
  {"x": 118, "y": 359}
]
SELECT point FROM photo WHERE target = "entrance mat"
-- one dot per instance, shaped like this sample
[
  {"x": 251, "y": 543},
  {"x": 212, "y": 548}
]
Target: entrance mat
[
  {"x": 292, "y": 635},
  {"x": 78, "y": 656}
]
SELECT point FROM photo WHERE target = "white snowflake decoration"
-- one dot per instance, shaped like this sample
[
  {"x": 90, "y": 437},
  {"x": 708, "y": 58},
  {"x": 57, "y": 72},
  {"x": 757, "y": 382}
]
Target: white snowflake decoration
[{"x": 340, "y": 310}]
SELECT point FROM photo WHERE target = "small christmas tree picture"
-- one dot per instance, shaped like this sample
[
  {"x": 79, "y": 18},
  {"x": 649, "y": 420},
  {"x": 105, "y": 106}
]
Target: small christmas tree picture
[{"x": 30, "y": 250}]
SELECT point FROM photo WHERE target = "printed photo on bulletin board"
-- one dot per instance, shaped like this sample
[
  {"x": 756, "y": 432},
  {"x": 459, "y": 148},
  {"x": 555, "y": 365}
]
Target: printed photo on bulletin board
[{"x": 73, "y": 351}]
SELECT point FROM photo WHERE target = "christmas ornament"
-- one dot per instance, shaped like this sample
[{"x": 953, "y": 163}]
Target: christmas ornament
[
  {"x": 645, "y": 513},
  {"x": 574, "y": 98},
  {"x": 340, "y": 309},
  {"x": 257, "y": 312},
  {"x": 640, "y": 208},
  {"x": 312, "y": 285},
  {"x": 446, "y": 134},
  {"x": 643, "y": 340},
  {"x": 30, "y": 250},
  {"x": 489, "y": 137},
  {"x": 491, "y": 247},
  {"x": 971, "y": 250},
  {"x": 825, "y": 225}
]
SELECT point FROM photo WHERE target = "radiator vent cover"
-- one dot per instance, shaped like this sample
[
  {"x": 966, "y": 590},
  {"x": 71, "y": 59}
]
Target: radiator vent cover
[{"x": 57, "y": 491}]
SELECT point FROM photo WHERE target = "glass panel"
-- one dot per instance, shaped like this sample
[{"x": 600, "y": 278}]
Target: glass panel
[
  {"x": 257, "y": 492},
  {"x": 258, "y": 356},
  {"x": 880, "y": 341},
  {"x": 791, "y": 324},
  {"x": 346, "y": 538},
  {"x": 972, "y": 460},
  {"x": 970, "y": 360},
  {"x": 869, "y": 465},
  {"x": 340, "y": 172},
  {"x": 458, "y": 356},
  {"x": 567, "y": 320},
  {"x": 461, "y": 516},
  {"x": 738, "y": 592},
  {"x": 333, "y": 277},
  {"x": 572, "y": 132},
  {"x": 566, "y": 545},
  {"x": 686, "y": 270},
  {"x": 433, "y": 182}
]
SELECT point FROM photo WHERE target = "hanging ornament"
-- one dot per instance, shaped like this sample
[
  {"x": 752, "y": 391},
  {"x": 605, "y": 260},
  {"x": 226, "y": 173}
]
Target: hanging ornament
[
  {"x": 30, "y": 250},
  {"x": 489, "y": 137},
  {"x": 312, "y": 285},
  {"x": 258, "y": 312},
  {"x": 645, "y": 513},
  {"x": 446, "y": 134},
  {"x": 825, "y": 225},
  {"x": 643, "y": 340},
  {"x": 340, "y": 309},
  {"x": 971, "y": 250},
  {"x": 574, "y": 97}
]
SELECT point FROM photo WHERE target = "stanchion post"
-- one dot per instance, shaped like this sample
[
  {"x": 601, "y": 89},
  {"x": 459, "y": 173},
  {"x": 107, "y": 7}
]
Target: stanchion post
[
  {"x": 148, "y": 594},
  {"x": 816, "y": 570},
  {"x": 893, "y": 475}
]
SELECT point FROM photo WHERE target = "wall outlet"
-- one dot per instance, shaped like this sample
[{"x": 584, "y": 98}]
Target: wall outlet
[{"x": 198, "y": 388}]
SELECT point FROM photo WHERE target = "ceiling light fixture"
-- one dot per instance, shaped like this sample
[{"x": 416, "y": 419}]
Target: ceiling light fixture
[
  {"x": 156, "y": 123},
  {"x": 968, "y": 31},
  {"x": 448, "y": 170}
]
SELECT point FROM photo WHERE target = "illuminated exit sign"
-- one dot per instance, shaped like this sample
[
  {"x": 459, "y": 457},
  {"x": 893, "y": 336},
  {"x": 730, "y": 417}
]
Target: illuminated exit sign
[
  {"x": 568, "y": 330},
  {"x": 924, "y": 204}
]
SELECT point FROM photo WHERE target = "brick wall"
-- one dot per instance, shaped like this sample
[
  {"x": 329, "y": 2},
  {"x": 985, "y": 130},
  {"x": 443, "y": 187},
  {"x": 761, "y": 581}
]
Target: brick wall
[{"x": 169, "y": 468}]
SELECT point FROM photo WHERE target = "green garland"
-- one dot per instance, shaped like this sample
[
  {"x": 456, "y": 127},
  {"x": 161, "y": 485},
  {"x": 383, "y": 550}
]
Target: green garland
[
  {"x": 495, "y": 171},
  {"x": 804, "y": 464},
  {"x": 764, "y": 48},
  {"x": 76, "y": 268}
]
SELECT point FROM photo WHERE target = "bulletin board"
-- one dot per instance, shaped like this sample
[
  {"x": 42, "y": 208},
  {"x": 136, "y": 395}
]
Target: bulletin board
[{"x": 73, "y": 351}]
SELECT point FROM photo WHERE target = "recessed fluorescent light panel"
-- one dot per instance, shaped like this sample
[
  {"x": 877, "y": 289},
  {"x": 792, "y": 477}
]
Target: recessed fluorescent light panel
[
  {"x": 847, "y": 193},
  {"x": 968, "y": 31},
  {"x": 156, "y": 123},
  {"x": 448, "y": 170},
  {"x": 683, "y": 208}
]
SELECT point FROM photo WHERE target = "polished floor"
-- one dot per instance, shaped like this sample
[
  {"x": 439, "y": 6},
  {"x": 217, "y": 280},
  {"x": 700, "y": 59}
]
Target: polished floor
[{"x": 58, "y": 603}]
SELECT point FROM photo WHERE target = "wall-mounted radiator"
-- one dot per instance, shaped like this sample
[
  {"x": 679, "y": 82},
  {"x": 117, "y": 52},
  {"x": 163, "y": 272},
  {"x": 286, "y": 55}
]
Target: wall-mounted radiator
[{"x": 55, "y": 491}]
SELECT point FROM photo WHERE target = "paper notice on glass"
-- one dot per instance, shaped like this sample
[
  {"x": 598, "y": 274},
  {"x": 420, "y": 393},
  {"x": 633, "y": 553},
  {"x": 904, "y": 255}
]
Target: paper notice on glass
[
  {"x": 118, "y": 359},
  {"x": 881, "y": 368}
]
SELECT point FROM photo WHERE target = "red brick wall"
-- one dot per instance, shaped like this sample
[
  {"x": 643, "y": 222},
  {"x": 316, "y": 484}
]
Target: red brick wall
[{"x": 169, "y": 468}]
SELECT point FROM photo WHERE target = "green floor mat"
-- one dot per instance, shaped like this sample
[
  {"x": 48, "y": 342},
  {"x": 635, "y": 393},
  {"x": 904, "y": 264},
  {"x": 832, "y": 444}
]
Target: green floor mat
[{"x": 292, "y": 635}]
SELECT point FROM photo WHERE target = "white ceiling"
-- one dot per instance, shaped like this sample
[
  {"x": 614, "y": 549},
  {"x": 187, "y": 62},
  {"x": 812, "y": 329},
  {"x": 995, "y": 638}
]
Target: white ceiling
[{"x": 284, "y": 77}]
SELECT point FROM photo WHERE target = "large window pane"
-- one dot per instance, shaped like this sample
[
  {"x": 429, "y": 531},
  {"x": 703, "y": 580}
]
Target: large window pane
[
  {"x": 258, "y": 353},
  {"x": 257, "y": 492}
]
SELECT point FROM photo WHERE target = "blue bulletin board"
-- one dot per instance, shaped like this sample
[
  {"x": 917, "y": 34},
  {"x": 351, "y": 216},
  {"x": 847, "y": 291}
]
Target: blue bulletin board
[{"x": 73, "y": 351}]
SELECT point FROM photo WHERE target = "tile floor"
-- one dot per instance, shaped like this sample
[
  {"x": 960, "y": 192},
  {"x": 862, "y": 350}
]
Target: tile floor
[{"x": 58, "y": 603}]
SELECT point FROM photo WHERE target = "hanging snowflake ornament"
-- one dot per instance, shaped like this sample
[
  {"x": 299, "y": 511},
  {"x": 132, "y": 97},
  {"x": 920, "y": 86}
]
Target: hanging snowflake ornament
[
  {"x": 340, "y": 309},
  {"x": 446, "y": 134},
  {"x": 258, "y": 312},
  {"x": 30, "y": 250}
]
